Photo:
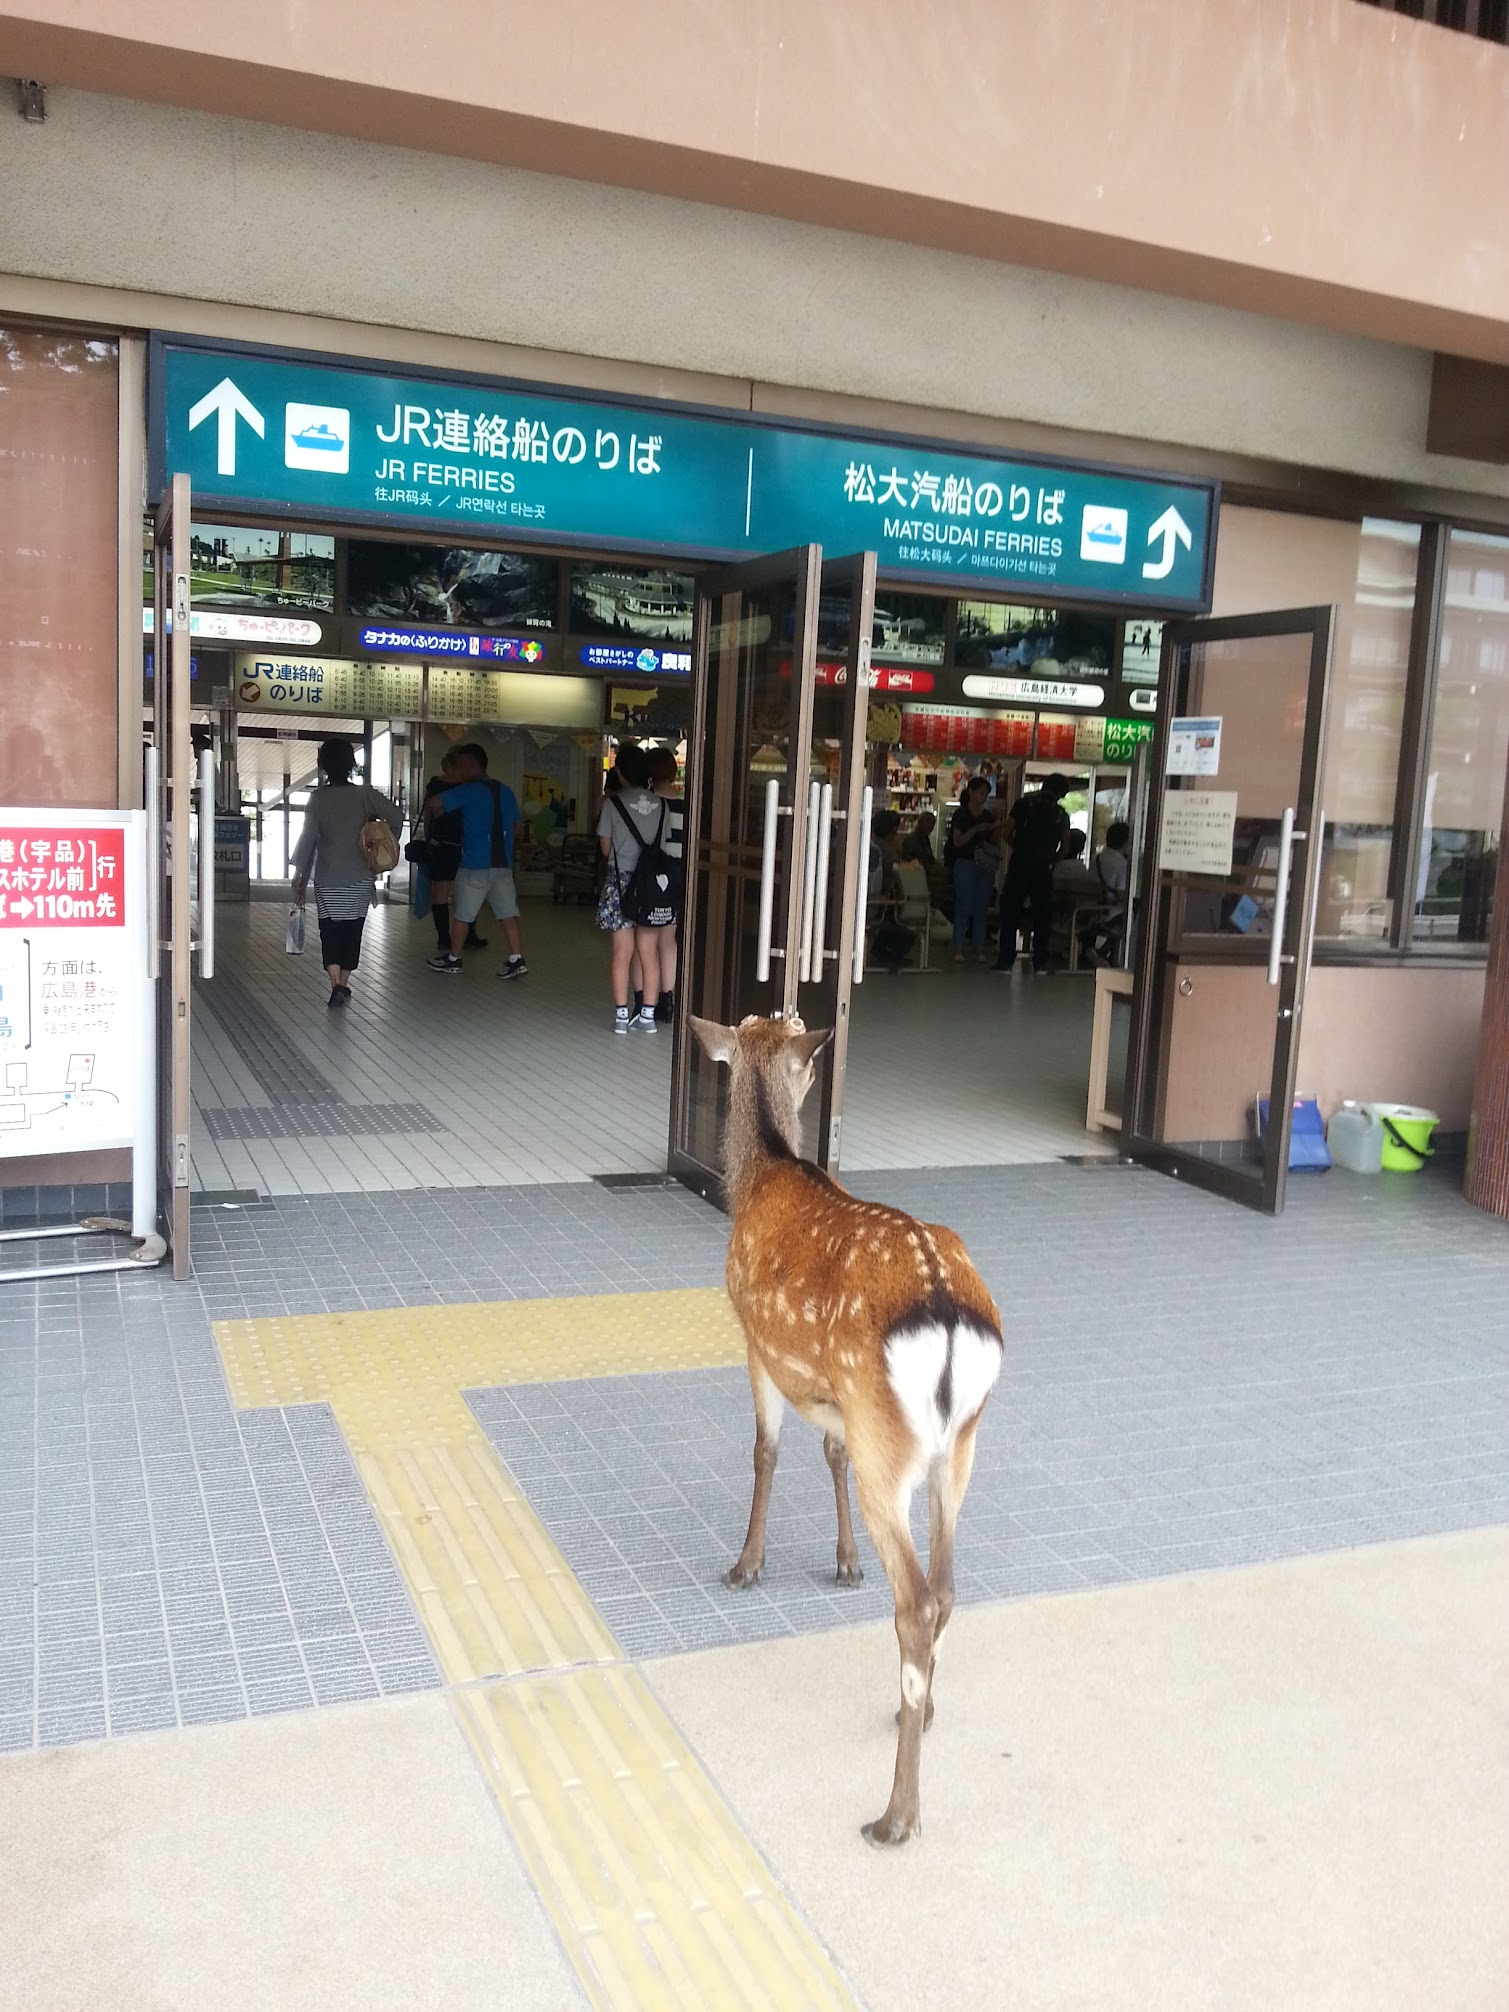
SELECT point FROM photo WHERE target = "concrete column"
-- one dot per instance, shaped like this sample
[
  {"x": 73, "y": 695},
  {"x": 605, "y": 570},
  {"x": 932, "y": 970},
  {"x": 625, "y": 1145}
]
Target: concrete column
[{"x": 1487, "y": 1183}]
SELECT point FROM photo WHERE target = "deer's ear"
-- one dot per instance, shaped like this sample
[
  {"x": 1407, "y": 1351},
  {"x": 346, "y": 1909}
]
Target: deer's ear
[
  {"x": 805, "y": 1045},
  {"x": 722, "y": 1043}
]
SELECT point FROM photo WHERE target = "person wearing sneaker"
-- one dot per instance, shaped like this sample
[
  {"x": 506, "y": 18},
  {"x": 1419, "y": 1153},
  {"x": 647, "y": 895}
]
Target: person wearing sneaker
[
  {"x": 631, "y": 817},
  {"x": 489, "y": 812},
  {"x": 665, "y": 781},
  {"x": 329, "y": 849}
]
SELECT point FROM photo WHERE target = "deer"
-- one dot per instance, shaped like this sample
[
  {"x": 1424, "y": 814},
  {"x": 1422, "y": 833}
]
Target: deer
[{"x": 877, "y": 1329}]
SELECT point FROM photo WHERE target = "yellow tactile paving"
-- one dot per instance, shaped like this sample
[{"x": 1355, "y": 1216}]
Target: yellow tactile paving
[
  {"x": 495, "y": 1593},
  {"x": 659, "y": 1897},
  {"x": 648, "y": 1877},
  {"x": 420, "y": 1349}
]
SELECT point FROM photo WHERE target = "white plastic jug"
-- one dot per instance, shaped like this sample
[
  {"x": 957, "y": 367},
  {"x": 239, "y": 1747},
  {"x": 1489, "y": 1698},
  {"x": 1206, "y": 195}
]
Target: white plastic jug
[{"x": 1355, "y": 1137}]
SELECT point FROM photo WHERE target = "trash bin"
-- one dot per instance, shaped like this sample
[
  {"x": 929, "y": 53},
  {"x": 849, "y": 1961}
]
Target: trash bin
[{"x": 1406, "y": 1135}]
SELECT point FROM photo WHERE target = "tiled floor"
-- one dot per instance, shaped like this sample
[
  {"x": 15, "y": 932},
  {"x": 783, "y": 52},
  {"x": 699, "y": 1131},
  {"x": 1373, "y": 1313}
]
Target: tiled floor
[
  {"x": 1186, "y": 1385},
  {"x": 448, "y": 1083},
  {"x": 1214, "y": 1389}
]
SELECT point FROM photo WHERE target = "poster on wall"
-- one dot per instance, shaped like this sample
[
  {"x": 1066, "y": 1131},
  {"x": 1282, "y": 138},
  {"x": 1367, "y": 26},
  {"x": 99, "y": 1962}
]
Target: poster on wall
[
  {"x": 67, "y": 991},
  {"x": 452, "y": 586},
  {"x": 1141, "y": 647}
]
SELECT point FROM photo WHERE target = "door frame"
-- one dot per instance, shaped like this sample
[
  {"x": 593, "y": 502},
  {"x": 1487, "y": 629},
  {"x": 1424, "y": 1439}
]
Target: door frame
[
  {"x": 1157, "y": 956},
  {"x": 857, "y": 571},
  {"x": 805, "y": 570},
  {"x": 170, "y": 783}
]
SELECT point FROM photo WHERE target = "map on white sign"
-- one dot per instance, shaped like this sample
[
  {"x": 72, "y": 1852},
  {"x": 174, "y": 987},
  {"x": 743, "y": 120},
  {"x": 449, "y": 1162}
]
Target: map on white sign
[
  {"x": 67, "y": 992},
  {"x": 1198, "y": 833},
  {"x": 1194, "y": 746}
]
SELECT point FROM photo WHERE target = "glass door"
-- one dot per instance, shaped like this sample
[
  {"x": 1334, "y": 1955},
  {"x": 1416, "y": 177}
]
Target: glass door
[
  {"x": 170, "y": 781},
  {"x": 1231, "y": 872},
  {"x": 774, "y": 839}
]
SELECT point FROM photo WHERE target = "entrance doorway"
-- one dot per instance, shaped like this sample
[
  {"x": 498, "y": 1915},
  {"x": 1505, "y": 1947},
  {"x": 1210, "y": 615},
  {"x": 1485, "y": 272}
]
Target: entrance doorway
[{"x": 803, "y": 679}]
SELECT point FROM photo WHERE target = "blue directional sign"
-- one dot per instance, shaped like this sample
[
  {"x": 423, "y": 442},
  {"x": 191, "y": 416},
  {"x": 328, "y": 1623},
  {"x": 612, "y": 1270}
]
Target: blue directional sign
[{"x": 276, "y": 433}]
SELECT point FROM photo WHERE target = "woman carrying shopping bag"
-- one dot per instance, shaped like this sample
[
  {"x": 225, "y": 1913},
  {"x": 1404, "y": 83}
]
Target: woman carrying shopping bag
[{"x": 350, "y": 836}]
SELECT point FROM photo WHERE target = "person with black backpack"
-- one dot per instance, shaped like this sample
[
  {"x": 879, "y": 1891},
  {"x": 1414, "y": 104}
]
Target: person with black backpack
[
  {"x": 489, "y": 812},
  {"x": 641, "y": 894}
]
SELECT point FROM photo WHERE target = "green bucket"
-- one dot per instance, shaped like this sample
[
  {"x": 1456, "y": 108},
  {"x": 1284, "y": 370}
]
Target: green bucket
[{"x": 1406, "y": 1136}]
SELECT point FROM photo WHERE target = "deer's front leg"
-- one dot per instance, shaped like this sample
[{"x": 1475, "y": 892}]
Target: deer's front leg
[
  {"x": 770, "y": 1406},
  {"x": 837, "y": 1455}
]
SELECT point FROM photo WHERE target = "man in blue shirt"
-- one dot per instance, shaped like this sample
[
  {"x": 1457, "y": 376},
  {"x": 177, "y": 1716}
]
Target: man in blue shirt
[{"x": 489, "y": 812}]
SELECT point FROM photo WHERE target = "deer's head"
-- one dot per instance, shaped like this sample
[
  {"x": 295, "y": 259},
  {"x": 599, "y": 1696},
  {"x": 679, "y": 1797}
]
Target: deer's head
[{"x": 772, "y": 1066}]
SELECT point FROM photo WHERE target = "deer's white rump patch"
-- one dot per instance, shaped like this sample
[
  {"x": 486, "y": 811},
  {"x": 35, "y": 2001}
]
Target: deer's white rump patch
[{"x": 941, "y": 1376}]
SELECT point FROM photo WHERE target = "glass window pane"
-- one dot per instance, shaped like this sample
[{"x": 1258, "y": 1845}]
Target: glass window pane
[
  {"x": 1469, "y": 745},
  {"x": 451, "y": 586},
  {"x": 1370, "y": 667},
  {"x": 1269, "y": 559}
]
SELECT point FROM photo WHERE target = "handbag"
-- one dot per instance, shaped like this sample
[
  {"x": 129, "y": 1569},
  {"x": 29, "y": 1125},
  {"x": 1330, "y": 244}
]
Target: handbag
[
  {"x": 375, "y": 841},
  {"x": 293, "y": 941}
]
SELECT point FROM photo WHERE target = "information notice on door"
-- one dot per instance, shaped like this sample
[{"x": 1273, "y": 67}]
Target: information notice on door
[
  {"x": 1198, "y": 833},
  {"x": 67, "y": 986},
  {"x": 1194, "y": 746}
]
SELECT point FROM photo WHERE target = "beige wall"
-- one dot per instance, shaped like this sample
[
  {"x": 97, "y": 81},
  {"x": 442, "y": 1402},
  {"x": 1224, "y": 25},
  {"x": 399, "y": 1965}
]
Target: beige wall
[
  {"x": 1311, "y": 158},
  {"x": 700, "y": 302},
  {"x": 1392, "y": 1036}
]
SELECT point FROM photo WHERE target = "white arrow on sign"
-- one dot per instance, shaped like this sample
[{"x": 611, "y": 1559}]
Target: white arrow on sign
[
  {"x": 22, "y": 908},
  {"x": 226, "y": 400},
  {"x": 1173, "y": 530}
]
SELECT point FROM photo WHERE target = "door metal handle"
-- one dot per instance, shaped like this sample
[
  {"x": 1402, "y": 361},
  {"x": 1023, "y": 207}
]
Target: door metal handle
[
  {"x": 861, "y": 882},
  {"x": 1281, "y": 895},
  {"x": 820, "y": 907},
  {"x": 809, "y": 882},
  {"x": 767, "y": 878},
  {"x": 206, "y": 864}
]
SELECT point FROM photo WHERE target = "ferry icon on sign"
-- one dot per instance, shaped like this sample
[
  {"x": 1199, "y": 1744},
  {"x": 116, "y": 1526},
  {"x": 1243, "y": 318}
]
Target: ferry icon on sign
[
  {"x": 1103, "y": 534},
  {"x": 317, "y": 436}
]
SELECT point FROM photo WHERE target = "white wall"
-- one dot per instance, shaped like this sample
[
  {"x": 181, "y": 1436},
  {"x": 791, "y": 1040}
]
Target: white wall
[{"x": 124, "y": 195}]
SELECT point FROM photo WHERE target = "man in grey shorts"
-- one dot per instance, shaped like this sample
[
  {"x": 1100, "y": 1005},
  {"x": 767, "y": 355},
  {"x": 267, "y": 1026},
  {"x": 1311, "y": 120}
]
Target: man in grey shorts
[{"x": 489, "y": 812}]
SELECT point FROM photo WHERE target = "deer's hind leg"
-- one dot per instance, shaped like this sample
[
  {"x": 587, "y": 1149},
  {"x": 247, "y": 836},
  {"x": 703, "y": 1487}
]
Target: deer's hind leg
[
  {"x": 837, "y": 1456},
  {"x": 883, "y": 1503},
  {"x": 769, "y": 1407},
  {"x": 946, "y": 1484}
]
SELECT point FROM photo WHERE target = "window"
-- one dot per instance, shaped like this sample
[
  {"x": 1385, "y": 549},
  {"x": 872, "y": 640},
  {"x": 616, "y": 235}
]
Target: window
[
  {"x": 1369, "y": 677},
  {"x": 1487, "y": 19},
  {"x": 1469, "y": 746}
]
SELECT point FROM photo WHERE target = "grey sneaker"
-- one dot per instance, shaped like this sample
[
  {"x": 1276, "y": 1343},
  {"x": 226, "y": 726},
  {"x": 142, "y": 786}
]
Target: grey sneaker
[
  {"x": 621, "y": 1020},
  {"x": 644, "y": 1020}
]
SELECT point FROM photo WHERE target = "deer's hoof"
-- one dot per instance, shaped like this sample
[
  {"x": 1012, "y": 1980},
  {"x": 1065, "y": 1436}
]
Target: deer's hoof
[
  {"x": 742, "y": 1576},
  {"x": 849, "y": 1573},
  {"x": 889, "y": 1830}
]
